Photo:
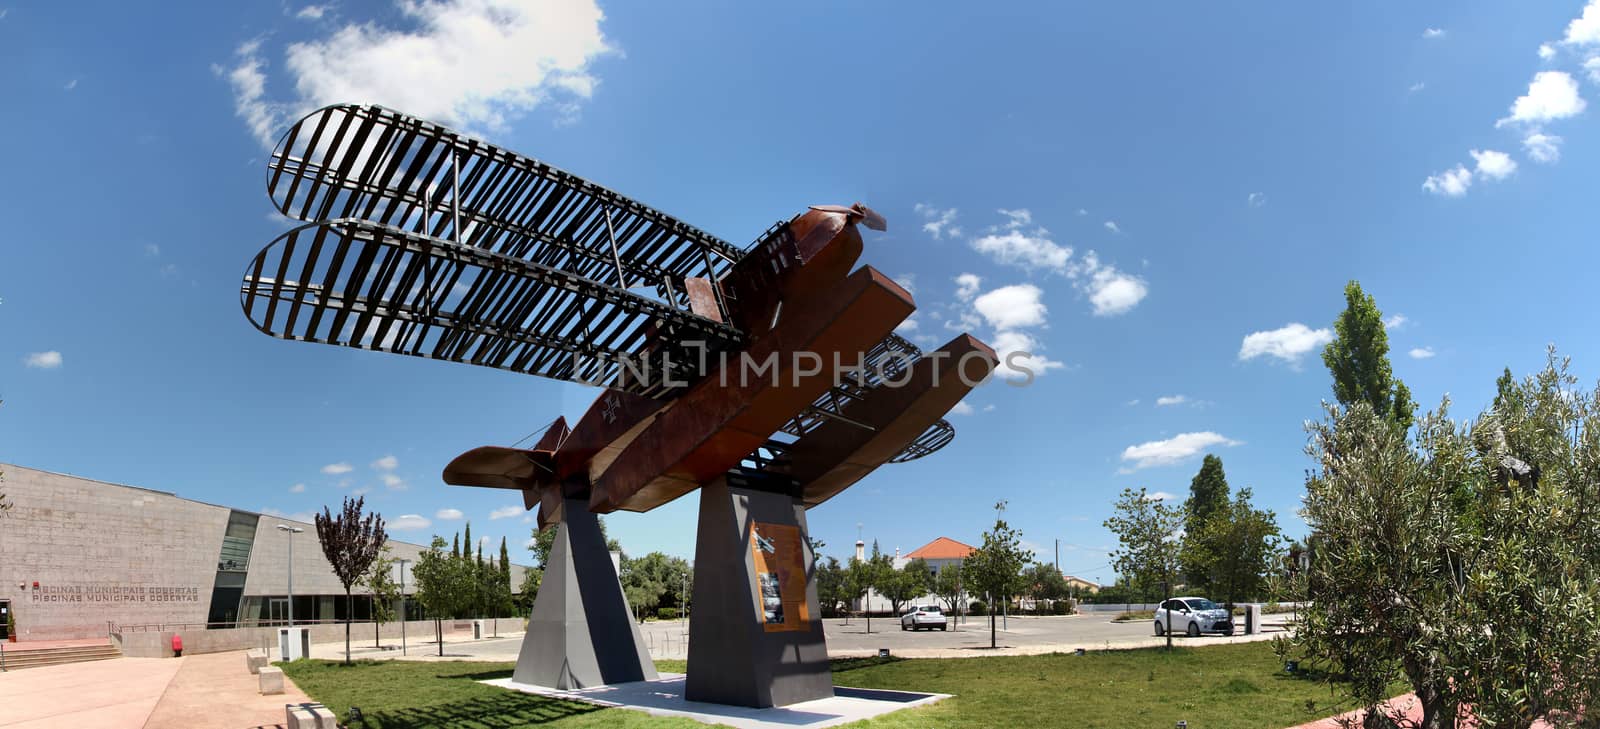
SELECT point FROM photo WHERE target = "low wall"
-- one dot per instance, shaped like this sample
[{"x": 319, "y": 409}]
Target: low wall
[{"x": 158, "y": 644}]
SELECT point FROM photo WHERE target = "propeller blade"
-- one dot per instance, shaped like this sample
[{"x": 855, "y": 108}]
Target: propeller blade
[{"x": 857, "y": 213}]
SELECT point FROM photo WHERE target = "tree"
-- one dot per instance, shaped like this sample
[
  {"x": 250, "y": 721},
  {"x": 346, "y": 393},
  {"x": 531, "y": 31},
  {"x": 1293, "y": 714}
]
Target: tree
[
  {"x": 1045, "y": 584},
  {"x": 1149, "y": 554},
  {"x": 1464, "y": 562},
  {"x": 947, "y": 587},
  {"x": 831, "y": 588},
  {"x": 529, "y": 590},
  {"x": 1237, "y": 546},
  {"x": 350, "y": 542},
  {"x": 903, "y": 585},
  {"x": 441, "y": 585},
  {"x": 996, "y": 568},
  {"x": 507, "y": 604},
  {"x": 545, "y": 539},
  {"x": 1208, "y": 496},
  {"x": 858, "y": 584},
  {"x": 652, "y": 579},
  {"x": 380, "y": 582},
  {"x": 1358, "y": 358}
]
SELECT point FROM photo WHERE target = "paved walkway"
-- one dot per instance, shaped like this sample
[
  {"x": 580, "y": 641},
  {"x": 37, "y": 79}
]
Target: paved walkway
[
  {"x": 213, "y": 691},
  {"x": 1408, "y": 708}
]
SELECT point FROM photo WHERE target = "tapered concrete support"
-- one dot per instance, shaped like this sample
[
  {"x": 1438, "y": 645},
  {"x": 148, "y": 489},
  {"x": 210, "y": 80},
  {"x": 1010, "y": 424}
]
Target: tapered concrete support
[
  {"x": 581, "y": 633},
  {"x": 755, "y": 634}
]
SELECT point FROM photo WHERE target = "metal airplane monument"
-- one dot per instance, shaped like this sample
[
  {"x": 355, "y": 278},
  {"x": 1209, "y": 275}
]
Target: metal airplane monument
[{"x": 767, "y": 378}]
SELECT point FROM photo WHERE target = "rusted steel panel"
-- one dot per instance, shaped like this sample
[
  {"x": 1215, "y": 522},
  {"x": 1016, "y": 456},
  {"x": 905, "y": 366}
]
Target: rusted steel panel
[
  {"x": 702, "y": 298},
  {"x": 837, "y": 454},
  {"x": 716, "y": 424}
]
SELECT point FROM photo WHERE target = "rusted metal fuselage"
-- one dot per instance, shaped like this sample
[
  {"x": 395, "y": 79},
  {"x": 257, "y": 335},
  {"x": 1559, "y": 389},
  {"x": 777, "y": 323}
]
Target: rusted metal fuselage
[{"x": 806, "y": 316}]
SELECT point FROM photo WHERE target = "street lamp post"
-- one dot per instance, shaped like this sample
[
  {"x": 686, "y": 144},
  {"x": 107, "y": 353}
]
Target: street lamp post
[
  {"x": 403, "y": 606},
  {"x": 292, "y": 531}
]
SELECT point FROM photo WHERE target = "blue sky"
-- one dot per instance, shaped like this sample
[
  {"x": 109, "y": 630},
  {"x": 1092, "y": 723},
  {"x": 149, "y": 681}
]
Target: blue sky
[{"x": 1136, "y": 190}]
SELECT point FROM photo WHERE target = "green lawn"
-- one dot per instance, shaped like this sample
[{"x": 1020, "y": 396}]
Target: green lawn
[{"x": 1240, "y": 685}]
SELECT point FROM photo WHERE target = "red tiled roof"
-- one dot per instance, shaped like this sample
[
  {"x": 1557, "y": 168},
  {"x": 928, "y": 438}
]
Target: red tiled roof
[{"x": 942, "y": 548}]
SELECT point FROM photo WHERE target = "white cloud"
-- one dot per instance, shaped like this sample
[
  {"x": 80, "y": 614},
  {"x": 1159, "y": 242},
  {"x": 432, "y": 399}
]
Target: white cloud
[
  {"x": 298, "y": 488},
  {"x": 386, "y": 463},
  {"x": 1030, "y": 251},
  {"x": 1111, "y": 225},
  {"x": 475, "y": 64},
  {"x": 312, "y": 12},
  {"x": 152, "y": 250},
  {"x": 1591, "y": 66},
  {"x": 1171, "y": 400},
  {"x": 408, "y": 522},
  {"x": 1414, "y": 88},
  {"x": 967, "y": 286},
  {"x": 1172, "y": 450},
  {"x": 1450, "y": 183},
  {"x": 1288, "y": 343},
  {"x": 506, "y": 512},
  {"x": 1159, "y": 496},
  {"x": 1133, "y": 402},
  {"x": 962, "y": 408},
  {"x": 1431, "y": 33},
  {"x": 1546, "y": 51},
  {"x": 393, "y": 482},
  {"x": 1542, "y": 147},
  {"x": 988, "y": 408},
  {"x": 1551, "y": 95},
  {"x": 1111, "y": 291},
  {"x": 1421, "y": 353},
  {"x": 1012, "y": 307},
  {"x": 1395, "y": 321},
  {"x": 70, "y": 85},
  {"x": 1008, "y": 343},
  {"x": 334, "y": 469},
  {"x": 363, "y": 491},
  {"x": 906, "y": 327},
  {"x": 1082, "y": 211},
  {"x": 448, "y": 514},
  {"x": 43, "y": 360},
  {"x": 1585, "y": 29},
  {"x": 1256, "y": 199},
  {"x": 1493, "y": 165},
  {"x": 938, "y": 223}
]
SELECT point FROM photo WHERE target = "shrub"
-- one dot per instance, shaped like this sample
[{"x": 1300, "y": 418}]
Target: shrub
[
  {"x": 666, "y": 613},
  {"x": 1062, "y": 607},
  {"x": 976, "y": 608}
]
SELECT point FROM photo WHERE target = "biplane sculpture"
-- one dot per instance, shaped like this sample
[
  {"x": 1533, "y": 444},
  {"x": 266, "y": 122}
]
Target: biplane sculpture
[{"x": 768, "y": 378}]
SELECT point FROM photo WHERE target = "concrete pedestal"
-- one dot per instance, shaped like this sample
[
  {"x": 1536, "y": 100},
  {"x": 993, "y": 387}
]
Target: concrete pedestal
[
  {"x": 294, "y": 643},
  {"x": 581, "y": 633},
  {"x": 755, "y": 635}
]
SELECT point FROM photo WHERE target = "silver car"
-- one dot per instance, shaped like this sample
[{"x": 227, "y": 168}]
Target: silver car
[
  {"x": 924, "y": 616},
  {"x": 1193, "y": 616}
]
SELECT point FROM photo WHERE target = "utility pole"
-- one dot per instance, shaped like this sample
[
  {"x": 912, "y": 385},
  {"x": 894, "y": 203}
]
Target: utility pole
[
  {"x": 292, "y": 531},
  {"x": 1058, "y": 554},
  {"x": 403, "y": 562}
]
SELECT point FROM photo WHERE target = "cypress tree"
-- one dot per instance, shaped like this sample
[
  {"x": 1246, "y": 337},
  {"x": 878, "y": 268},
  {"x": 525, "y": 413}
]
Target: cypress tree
[{"x": 1358, "y": 358}]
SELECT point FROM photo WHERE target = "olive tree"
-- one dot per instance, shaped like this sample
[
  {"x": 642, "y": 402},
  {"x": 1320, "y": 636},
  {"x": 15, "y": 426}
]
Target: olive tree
[
  {"x": 996, "y": 568},
  {"x": 1147, "y": 530},
  {"x": 1463, "y": 562}
]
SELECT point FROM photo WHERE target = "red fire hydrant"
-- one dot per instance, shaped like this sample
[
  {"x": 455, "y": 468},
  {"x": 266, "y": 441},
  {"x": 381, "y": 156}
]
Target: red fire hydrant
[{"x": 177, "y": 646}]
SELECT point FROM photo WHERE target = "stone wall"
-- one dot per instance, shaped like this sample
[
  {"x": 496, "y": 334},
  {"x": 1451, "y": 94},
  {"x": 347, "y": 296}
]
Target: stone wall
[
  {"x": 100, "y": 551},
  {"x": 106, "y": 553},
  {"x": 419, "y": 636}
]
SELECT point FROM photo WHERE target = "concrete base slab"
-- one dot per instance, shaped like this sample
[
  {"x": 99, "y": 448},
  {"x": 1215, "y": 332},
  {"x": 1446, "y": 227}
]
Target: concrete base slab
[{"x": 664, "y": 697}]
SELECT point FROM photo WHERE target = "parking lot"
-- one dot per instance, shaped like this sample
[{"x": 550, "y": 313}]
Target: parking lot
[{"x": 1016, "y": 635}]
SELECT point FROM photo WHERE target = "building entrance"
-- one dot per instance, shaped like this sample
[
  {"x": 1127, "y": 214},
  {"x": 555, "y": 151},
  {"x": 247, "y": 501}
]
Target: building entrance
[{"x": 5, "y": 619}]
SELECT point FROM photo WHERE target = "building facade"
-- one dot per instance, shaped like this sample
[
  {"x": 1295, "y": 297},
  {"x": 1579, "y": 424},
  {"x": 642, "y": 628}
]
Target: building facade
[{"x": 79, "y": 557}]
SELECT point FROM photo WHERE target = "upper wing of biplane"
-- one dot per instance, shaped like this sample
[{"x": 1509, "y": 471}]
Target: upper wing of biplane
[
  {"x": 360, "y": 284},
  {"x": 377, "y": 164}
]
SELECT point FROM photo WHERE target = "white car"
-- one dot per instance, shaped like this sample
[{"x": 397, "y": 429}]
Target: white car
[
  {"x": 1193, "y": 616},
  {"x": 924, "y": 616}
]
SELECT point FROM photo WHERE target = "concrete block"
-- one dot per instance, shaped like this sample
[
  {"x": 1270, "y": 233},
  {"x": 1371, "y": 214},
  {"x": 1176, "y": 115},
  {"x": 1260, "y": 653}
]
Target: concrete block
[
  {"x": 254, "y": 662},
  {"x": 309, "y": 716},
  {"x": 271, "y": 678}
]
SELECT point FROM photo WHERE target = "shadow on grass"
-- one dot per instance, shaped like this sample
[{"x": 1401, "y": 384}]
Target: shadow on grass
[
  {"x": 511, "y": 710},
  {"x": 841, "y": 665}
]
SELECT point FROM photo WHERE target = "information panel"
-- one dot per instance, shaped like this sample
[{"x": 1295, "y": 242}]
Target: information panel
[{"x": 780, "y": 588}]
